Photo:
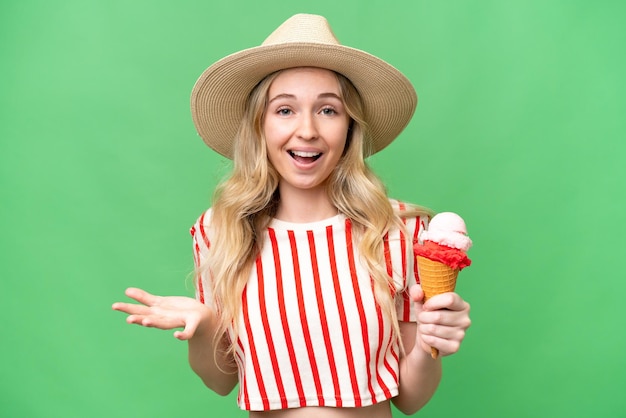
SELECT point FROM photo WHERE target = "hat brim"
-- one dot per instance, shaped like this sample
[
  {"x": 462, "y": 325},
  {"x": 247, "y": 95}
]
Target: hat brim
[{"x": 219, "y": 96}]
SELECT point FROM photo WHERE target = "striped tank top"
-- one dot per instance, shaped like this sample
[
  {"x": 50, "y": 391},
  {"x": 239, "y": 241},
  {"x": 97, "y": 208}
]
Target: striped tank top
[{"x": 310, "y": 332}]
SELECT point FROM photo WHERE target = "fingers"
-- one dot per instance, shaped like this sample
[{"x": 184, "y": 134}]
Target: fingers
[
  {"x": 131, "y": 308},
  {"x": 451, "y": 301},
  {"x": 165, "y": 313},
  {"x": 416, "y": 293},
  {"x": 445, "y": 309},
  {"x": 445, "y": 317},
  {"x": 441, "y": 331},
  {"x": 156, "y": 321},
  {"x": 443, "y": 322},
  {"x": 189, "y": 330},
  {"x": 447, "y": 339},
  {"x": 147, "y": 313},
  {"x": 443, "y": 345},
  {"x": 142, "y": 296}
]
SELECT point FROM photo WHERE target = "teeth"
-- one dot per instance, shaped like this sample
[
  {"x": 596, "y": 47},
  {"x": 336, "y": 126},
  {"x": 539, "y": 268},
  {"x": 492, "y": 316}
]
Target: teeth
[{"x": 305, "y": 154}]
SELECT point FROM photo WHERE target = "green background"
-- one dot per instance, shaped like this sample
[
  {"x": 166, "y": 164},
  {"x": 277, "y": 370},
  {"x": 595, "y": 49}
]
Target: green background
[{"x": 520, "y": 128}]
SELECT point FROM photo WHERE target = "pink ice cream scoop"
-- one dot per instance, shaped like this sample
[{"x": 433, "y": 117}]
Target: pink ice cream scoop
[{"x": 446, "y": 241}]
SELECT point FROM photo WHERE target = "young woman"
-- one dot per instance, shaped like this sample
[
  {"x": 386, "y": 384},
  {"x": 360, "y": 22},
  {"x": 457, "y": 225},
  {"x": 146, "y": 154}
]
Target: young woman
[{"x": 307, "y": 293}]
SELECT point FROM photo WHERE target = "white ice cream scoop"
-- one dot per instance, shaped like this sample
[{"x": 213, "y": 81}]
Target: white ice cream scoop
[{"x": 448, "y": 228}]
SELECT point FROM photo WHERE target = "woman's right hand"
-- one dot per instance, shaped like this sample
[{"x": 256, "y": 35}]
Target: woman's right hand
[{"x": 165, "y": 312}]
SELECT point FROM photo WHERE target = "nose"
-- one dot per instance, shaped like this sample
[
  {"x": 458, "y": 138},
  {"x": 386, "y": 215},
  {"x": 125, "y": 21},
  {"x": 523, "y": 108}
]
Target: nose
[{"x": 307, "y": 127}]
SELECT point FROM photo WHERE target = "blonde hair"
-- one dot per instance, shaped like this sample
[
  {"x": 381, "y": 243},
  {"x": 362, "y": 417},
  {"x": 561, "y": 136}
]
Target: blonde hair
[{"x": 245, "y": 203}]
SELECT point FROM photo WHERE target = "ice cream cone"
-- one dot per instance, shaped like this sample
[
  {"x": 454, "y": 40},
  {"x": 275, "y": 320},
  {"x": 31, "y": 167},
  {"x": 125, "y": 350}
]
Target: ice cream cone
[
  {"x": 441, "y": 254},
  {"x": 435, "y": 278}
]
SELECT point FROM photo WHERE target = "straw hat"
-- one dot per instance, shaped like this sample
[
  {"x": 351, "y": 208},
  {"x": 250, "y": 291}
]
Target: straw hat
[{"x": 219, "y": 96}]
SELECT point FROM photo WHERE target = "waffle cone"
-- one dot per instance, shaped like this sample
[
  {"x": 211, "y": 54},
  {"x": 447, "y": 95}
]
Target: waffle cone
[{"x": 435, "y": 278}]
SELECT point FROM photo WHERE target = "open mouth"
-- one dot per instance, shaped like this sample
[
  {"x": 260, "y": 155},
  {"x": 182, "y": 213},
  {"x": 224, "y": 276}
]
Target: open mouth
[{"x": 305, "y": 156}]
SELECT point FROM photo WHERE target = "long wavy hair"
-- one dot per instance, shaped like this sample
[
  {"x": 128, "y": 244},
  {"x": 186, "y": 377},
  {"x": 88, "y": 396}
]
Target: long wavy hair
[{"x": 245, "y": 203}]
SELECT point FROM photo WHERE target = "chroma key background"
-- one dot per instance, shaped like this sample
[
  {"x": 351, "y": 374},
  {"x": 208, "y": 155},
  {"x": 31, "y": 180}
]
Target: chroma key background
[{"x": 520, "y": 128}]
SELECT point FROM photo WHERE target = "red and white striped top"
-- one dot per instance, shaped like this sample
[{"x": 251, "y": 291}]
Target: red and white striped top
[{"x": 310, "y": 331}]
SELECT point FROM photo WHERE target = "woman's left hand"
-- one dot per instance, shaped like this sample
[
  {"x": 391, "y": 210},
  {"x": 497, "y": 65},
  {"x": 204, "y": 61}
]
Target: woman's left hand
[{"x": 441, "y": 321}]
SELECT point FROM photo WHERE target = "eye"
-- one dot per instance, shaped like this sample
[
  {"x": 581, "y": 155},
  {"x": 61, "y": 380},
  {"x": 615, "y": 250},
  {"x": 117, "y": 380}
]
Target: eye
[
  {"x": 328, "y": 111},
  {"x": 284, "y": 111}
]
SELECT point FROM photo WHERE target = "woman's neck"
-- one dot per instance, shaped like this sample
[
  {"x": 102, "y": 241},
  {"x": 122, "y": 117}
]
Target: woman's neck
[{"x": 308, "y": 205}]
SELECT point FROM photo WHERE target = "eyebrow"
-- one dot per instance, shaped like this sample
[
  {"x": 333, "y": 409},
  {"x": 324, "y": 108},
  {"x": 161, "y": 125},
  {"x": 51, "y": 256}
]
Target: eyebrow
[{"x": 293, "y": 97}]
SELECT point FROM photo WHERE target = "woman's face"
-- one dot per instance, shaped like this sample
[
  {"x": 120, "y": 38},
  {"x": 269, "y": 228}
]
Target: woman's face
[{"x": 305, "y": 127}]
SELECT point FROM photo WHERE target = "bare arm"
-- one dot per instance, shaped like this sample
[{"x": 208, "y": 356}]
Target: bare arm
[
  {"x": 419, "y": 373},
  {"x": 198, "y": 321},
  {"x": 216, "y": 368},
  {"x": 442, "y": 322}
]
